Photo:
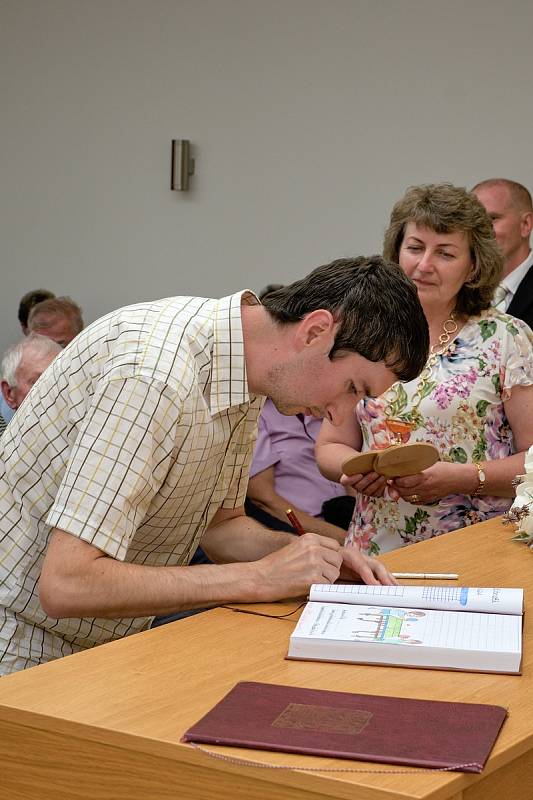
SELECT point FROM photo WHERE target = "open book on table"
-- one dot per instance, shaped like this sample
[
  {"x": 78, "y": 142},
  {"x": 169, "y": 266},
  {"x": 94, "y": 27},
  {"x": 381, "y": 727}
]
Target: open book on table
[{"x": 440, "y": 627}]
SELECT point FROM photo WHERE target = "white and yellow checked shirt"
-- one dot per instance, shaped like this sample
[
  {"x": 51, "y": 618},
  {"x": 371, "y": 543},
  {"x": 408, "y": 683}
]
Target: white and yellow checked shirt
[{"x": 132, "y": 440}]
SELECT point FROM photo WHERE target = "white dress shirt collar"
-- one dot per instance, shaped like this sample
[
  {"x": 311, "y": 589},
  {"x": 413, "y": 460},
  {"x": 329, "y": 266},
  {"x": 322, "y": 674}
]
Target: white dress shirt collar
[{"x": 514, "y": 279}]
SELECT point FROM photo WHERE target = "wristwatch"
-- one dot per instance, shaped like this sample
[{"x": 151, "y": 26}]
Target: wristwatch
[{"x": 482, "y": 478}]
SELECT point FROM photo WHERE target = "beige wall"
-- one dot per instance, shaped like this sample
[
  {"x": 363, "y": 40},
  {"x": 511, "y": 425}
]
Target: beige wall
[{"x": 309, "y": 118}]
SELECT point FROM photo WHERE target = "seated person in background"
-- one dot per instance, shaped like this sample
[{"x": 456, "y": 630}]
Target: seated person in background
[
  {"x": 284, "y": 474},
  {"x": 26, "y": 304},
  {"x": 23, "y": 364},
  {"x": 509, "y": 206},
  {"x": 5, "y": 412},
  {"x": 474, "y": 399},
  {"x": 58, "y": 318}
]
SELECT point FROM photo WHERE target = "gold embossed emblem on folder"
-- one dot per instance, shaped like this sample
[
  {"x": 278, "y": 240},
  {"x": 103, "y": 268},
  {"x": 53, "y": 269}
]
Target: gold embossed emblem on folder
[{"x": 300, "y": 716}]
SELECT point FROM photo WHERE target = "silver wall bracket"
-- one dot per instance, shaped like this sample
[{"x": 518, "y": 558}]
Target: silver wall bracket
[{"x": 182, "y": 166}]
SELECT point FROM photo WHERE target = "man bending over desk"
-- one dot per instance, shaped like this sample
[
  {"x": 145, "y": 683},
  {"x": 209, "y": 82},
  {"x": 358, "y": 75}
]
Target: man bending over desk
[{"x": 133, "y": 448}]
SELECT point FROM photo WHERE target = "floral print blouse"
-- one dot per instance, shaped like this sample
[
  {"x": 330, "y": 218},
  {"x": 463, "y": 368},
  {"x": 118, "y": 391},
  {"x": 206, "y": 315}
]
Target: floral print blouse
[{"x": 462, "y": 414}]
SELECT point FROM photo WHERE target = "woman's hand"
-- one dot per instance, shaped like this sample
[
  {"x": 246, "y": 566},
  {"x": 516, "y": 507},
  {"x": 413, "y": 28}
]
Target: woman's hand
[
  {"x": 370, "y": 484},
  {"x": 434, "y": 483}
]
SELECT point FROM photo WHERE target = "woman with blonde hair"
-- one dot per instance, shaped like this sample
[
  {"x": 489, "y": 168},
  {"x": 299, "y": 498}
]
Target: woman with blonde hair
[{"x": 473, "y": 400}]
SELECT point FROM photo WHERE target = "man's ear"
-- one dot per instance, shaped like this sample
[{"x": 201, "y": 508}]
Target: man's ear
[
  {"x": 526, "y": 224},
  {"x": 9, "y": 395},
  {"x": 317, "y": 328}
]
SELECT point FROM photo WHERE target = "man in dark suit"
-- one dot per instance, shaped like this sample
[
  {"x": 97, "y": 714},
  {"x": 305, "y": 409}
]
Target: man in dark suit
[{"x": 509, "y": 206}]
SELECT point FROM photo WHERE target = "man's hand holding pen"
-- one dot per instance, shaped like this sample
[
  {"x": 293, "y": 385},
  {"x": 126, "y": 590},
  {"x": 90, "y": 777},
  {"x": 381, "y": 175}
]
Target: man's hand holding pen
[
  {"x": 353, "y": 561},
  {"x": 290, "y": 570}
]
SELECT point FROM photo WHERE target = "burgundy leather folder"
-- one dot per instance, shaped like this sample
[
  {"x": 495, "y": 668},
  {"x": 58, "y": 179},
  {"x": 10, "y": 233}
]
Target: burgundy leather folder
[{"x": 392, "y": 730}]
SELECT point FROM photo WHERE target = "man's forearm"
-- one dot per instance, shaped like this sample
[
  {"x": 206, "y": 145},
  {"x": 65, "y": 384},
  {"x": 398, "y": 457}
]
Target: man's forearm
[
  {"x": 277, "y": 507},
  {"x": 262, "y": 492},
  {"x": 241, "y": 539},
  {"x": 79, "y": 581}
]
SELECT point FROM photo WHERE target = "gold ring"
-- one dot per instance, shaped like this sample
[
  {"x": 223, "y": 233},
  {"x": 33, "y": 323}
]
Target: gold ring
[{"x": 414, "y": 498}]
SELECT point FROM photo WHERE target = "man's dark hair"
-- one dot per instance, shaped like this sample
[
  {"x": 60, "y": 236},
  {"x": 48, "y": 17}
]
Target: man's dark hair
[
  {"x": 270, "y": 287},
  {"x": 376, "y": 305},
  {"x": 29, "y": 300}
]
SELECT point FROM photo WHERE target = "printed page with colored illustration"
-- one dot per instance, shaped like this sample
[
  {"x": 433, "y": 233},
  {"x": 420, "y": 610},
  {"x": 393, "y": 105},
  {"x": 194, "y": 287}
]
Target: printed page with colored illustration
[
  {"x": 412, "y": 635},
  {"x": 446, "y": 598}
]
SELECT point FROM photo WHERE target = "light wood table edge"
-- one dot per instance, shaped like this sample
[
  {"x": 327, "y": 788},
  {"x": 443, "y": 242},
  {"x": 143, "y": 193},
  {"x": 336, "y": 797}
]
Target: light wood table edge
[{"x": 298, "y": 776}]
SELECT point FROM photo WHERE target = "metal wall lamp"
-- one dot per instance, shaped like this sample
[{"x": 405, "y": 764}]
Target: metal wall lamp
[{"x": 182, "y": 166}]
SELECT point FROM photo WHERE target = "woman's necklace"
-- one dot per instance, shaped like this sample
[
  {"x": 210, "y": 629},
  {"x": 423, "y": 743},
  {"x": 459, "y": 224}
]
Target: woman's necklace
[{"x": 399, "y": 422}]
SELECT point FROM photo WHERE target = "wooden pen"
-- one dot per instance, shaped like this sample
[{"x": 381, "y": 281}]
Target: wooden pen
[
  {"x": 295, "y": 522},
  {"x": 430, "y": 576}
]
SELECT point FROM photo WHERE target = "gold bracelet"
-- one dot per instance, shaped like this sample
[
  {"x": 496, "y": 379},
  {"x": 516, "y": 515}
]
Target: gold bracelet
[{"x": 482, "y": 479}]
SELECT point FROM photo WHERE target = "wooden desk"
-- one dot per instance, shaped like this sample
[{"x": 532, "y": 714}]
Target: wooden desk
[{"x": 106, "y": 723}]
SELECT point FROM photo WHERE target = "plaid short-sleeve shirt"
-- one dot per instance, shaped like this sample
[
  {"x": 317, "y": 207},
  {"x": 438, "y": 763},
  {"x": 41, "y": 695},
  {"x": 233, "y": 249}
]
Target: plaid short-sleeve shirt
[{"x": 132, "y": 440}]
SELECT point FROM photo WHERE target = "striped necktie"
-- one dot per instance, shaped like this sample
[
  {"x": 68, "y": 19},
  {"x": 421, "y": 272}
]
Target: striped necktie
[{"x": 500, "y": 297}]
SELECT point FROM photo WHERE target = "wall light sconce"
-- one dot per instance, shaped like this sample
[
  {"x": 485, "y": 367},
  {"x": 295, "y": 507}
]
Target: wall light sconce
[{"x": 182, "y": 166}]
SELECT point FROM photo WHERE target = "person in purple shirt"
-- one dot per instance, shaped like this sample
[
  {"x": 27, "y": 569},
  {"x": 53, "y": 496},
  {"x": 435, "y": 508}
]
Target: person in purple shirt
[{"x": 284, "y": 475}]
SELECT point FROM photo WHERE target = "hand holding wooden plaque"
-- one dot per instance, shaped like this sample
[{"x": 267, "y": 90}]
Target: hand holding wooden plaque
[{"x": 394, "y": 462}]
